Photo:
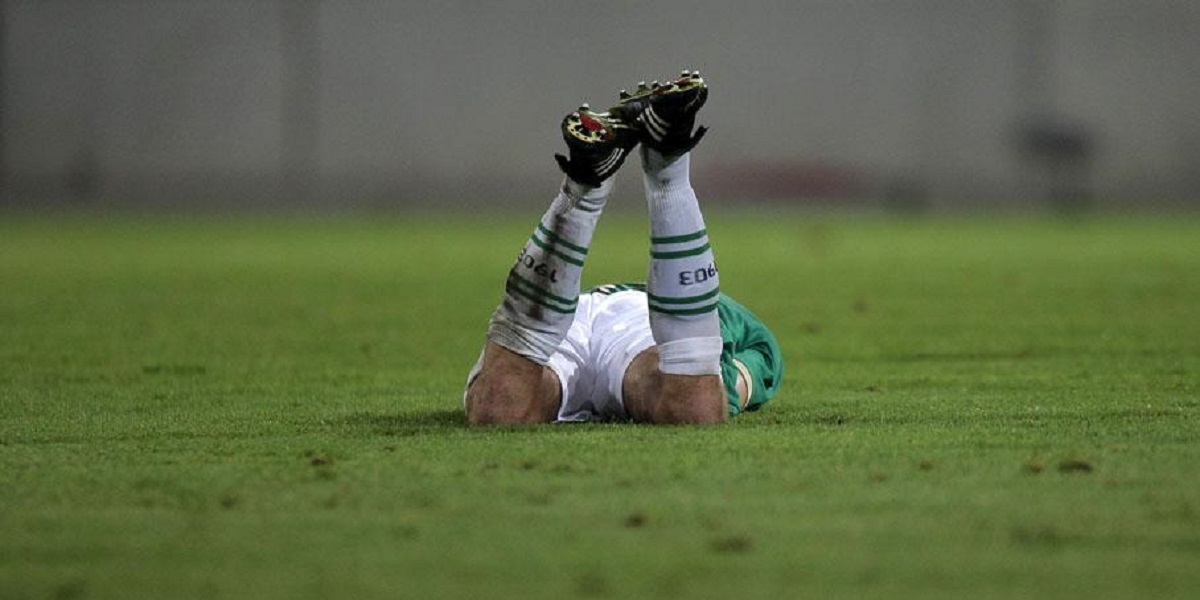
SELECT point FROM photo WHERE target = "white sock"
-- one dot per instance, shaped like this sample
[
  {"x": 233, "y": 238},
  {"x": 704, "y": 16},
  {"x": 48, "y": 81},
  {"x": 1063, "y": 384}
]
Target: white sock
[
  {"x": 543, "y": 286},
  {"x": 683, "y": 284}
]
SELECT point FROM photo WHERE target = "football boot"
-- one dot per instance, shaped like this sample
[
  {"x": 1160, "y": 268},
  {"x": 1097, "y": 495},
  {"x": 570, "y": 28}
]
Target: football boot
[
  {"x": 597, "y": 144},
  {"x": 665, "y": 113}
]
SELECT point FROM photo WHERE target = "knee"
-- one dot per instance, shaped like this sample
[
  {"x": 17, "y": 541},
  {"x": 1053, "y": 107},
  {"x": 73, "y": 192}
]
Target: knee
[
  {"x": 493, "y": 405},
  {"x": 691, "y": 400},
  {"x": 510, "y": 390},
  {"x": 504, "y": 403},
  {"x": 690, "y": 413},
  {"x": 661, "y": 398}
]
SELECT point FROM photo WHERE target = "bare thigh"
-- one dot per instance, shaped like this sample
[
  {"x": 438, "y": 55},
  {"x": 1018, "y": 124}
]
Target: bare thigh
[
  {"x": 652, "y": 396},
  {"x": 511, "y": 389}
]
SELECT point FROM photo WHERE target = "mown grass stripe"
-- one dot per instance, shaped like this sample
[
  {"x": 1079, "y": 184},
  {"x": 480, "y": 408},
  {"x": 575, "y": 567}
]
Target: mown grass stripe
[
  {"x": 683, "y": 300},
  {"x": 681, "y": 253},
  {"x": 555, "y": 239},
  {"x": 675, "y": 239}
]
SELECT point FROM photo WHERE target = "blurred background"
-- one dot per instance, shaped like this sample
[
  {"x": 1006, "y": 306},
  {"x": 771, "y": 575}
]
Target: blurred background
[{"x": 344, "y": 104}]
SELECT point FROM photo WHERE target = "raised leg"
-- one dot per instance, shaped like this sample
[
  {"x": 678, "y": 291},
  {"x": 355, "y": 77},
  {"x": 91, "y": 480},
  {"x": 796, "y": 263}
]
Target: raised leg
[
  {"x": 683, "y": 285},
  {"x": 514, "y": 383}
]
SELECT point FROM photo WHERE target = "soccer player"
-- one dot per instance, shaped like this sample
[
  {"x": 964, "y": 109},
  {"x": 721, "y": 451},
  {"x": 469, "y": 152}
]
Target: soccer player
[{"x": 675, "y": 350}]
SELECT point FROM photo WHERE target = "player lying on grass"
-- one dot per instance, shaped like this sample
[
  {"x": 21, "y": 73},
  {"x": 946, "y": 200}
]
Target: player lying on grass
[{"x": 673, "y": 351}]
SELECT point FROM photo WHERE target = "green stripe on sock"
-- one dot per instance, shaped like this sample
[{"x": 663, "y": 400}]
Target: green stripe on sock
[
  {"x": 681, "y": 253},
  {"x": 520, "y": 292},
  {"x": 553, "y": 238},
  {"x": 534, "y": 288},
  {"x": 675, "y": 239},
  {"x": 684, "y": 311},
  {"x": 555, "y": 251},
  {"x": 516, "y": 289},
  {"x": 686, "y": 300}
]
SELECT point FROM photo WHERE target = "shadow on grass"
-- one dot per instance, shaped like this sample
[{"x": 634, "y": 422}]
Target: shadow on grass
[
  {"x": 408, "y": 424},
  {"x": 448, "y": 421}
]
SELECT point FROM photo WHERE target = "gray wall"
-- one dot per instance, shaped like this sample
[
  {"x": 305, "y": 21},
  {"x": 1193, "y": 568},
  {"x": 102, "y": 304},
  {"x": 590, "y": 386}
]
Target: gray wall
[{"x": 395, "y": 104}]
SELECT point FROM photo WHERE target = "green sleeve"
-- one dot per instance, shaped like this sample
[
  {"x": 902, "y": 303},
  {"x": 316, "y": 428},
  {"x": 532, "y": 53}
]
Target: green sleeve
[{"x": 746, "y": 338}]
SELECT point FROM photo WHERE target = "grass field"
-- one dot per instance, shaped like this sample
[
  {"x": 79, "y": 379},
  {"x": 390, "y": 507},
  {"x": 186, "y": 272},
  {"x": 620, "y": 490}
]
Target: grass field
[{"x": 244, "y": 407}]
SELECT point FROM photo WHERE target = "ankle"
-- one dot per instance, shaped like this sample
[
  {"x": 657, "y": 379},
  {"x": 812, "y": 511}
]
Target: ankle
[
  {"x": 593, "y": 195},
  {"x": 664, "y": 171}
]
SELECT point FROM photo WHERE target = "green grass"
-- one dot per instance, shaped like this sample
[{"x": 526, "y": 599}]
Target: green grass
[{"x": 254, "y": 407}]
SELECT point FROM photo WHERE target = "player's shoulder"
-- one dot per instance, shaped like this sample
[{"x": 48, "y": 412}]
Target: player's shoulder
[
  {"x": 737, "y": 321},
  {"x": 727, "y": 304}
]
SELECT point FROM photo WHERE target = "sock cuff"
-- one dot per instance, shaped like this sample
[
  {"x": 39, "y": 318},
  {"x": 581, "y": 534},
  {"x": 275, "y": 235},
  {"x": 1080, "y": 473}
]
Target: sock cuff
[
  {"x": 662, "y": 172},
  {"x": 576, "y": 193},
  {"x": 691, "y": 356},
  {"x": 504, "y": 332}
]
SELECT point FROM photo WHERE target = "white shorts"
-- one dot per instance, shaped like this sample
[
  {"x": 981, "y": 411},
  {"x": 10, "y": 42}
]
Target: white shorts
[{"x": 608, "y": 332}]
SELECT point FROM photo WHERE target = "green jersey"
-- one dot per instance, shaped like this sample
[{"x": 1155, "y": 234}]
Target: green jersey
[{"x": 745, "y": 339}]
